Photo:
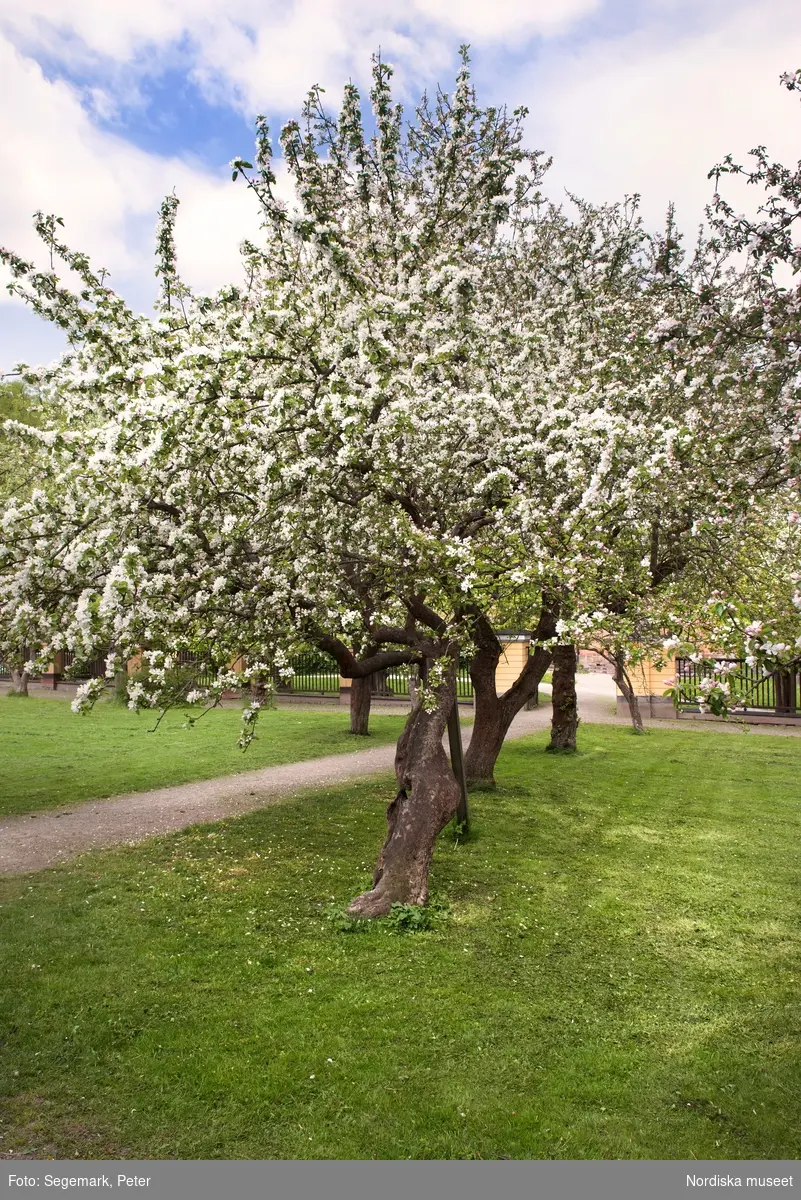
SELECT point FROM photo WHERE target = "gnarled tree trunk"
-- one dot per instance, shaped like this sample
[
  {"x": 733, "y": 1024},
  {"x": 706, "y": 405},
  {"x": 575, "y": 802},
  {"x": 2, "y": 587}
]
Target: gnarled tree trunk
[
  {"x": 19, "y": 681},
  {"x": 427, "y": 798},
  {"x": 623, "y": 681},
  {"x": 362, "y": 692},
  {"x": 493, "y": 714},
  {"x": 360, "y": 697},
  {"x": 19, "y": 676},
  {"x": 564, "y": 721}
]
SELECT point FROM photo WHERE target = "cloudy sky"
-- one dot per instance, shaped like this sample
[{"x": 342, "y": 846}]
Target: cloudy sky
[{"x": 109, "y": 104}]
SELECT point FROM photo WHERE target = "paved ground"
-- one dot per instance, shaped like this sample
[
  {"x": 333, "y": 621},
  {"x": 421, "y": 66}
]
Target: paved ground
[{"x": 31, "y": 843}]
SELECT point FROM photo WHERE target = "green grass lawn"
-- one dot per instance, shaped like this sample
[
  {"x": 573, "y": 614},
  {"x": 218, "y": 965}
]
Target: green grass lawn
[
  {"x": 50, "y": 756},
  {"x": 615, "y": 974}
]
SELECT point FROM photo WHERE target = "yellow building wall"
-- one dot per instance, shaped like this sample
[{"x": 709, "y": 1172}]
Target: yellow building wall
[
  {"x": 512, "y": 662},
  {"x": 650, "y": 681}
]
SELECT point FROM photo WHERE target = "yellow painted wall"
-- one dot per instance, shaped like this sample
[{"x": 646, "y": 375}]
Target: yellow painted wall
[
  {"x": 648, "y": 681},
  {"x": 513, "y": 660}
]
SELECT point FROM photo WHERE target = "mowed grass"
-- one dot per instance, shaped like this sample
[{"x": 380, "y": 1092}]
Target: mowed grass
[
  {"x": 49, "y": 756},
  {"x": 615, "y": 975}
]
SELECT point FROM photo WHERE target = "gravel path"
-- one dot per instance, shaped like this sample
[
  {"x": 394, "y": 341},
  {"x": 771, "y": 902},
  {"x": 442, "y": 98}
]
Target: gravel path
[{"x": 33, "y": 842}]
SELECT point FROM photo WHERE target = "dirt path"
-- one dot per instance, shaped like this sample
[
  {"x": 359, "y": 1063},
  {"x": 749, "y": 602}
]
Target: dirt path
[{"x": 39, "y": 840}]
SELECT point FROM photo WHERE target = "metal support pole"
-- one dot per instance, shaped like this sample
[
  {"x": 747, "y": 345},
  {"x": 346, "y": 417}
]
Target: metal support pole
[{"x": 457, "y": 766}]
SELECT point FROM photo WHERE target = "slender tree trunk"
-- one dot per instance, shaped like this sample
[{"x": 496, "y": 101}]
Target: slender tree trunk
[
  {"x": 379, "y": 684},
  {"x": 623, "y": 681},
  {"x": 360, "y": 697},
  {"x": 493, "y": 714},
  {"x": 489, "y": 719},
  {"x": 784, "y": 682},
  {"x": 427, "y": 798},
  {"x": 564, "y": 721},
  {"x": 19, "y": 682},
  {"x": 538, "y": 664}
]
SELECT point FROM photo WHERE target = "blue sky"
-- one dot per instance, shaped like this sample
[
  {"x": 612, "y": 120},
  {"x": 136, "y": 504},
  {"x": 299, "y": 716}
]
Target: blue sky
[{"x": 108, "y": 106}]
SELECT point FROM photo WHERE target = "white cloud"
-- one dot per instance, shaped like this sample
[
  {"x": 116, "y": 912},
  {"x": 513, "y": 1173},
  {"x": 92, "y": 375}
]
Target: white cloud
[
  {"x": 118, "y": 30},
  {"x": 262, "y": 53},
  {"x": 645, "y": 99},
  {"x": 53, "y": 158},
  {"x": 654, "y": 110},
  {"x": 502, "y": 20}
]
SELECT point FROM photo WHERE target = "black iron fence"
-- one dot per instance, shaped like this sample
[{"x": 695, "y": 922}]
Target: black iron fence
[
  {"x": 777, "y": 692},
  {"x": 203, "y": 674},
  {"x": 89, "y": 668},
  {"x": 5, "y": 668},
  {"x": 398, "y": 681},
  {"x": 78, "y": 669},
  {"x": 315, "y": 674}
]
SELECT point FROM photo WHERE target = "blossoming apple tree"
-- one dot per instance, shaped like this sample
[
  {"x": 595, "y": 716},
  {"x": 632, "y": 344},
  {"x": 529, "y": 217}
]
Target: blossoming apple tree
[
  {"x": 755, "y": 616},
  {"x": 400, "y": 432}
]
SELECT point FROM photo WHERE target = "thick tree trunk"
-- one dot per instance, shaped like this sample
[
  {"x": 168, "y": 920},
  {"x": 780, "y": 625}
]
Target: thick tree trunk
[
  {"x": 490, "y": 720},
  {"x": 427, "y": 798},
  {"x": 19, "y": 682},
  {"x": 564, "y": 721},
  {"x": 360, "y": 697},
  {"x": 627, "y": 691},
  {"x": 493, "y": 714}
]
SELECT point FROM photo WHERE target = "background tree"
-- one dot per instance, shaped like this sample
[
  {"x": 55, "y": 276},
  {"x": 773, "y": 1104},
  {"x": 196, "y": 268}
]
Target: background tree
[
  {"x": 753, "y": 614},
  {"x": 20, "y": 410}
]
